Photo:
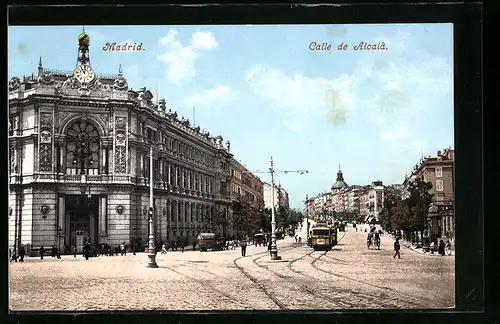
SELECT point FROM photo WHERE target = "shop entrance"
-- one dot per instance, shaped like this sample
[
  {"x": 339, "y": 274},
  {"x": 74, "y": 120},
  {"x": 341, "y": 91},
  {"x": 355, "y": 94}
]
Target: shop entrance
[{"x": 82, "y": 216}]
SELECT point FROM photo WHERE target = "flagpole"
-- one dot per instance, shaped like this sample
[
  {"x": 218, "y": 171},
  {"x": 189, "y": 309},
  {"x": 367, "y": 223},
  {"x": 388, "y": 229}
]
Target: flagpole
[{"x": 152, "y": 249}]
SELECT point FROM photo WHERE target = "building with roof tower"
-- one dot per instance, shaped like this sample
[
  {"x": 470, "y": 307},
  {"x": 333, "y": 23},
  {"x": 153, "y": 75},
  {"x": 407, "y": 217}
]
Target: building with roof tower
[{"x": 79, "y": 147}]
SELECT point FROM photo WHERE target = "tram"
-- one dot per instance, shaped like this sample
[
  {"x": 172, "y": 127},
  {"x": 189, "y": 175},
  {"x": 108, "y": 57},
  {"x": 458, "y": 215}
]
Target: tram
[{"x": 323, "y": 236}]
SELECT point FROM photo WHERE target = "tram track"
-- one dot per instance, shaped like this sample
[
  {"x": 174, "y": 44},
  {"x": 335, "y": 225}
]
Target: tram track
[
  {"x": 339, "y": 300},
  {"x": 204, "y": 283},
  {"x": 336, "y": 289},
  {"x": 403, "y": 297},
  {"x": 302, "y": 287},
  {"x": 256, "y": 281}
]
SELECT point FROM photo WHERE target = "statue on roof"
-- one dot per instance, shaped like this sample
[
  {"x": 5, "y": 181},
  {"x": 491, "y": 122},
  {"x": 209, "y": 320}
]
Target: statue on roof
[
  {"x": 14, "y": 84},
  {"x": 163, "y": 104}
]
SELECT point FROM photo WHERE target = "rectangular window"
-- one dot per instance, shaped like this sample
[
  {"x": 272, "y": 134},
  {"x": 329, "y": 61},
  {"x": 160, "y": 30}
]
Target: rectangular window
[
  {"x": 439, "y": 185},
  {"x": 439, "y": 172}
]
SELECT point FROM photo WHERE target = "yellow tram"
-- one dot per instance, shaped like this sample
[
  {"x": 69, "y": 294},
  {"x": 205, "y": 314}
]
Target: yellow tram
[{"x": 323, "y": 236}]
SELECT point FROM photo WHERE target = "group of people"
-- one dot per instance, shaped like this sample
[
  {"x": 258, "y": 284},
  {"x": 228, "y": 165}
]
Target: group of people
[
  {"x": 243, "y": 244},
  {"x": 298, "y": 239},
  {"x": 442, "y": 248}
]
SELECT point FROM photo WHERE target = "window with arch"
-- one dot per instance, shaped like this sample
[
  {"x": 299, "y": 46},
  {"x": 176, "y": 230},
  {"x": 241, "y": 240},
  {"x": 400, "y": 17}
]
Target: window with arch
[{"x": 82, "y": 149}]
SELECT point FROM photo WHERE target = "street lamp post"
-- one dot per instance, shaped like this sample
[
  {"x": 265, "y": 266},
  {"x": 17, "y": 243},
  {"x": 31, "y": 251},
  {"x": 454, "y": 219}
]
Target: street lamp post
[
  {"x": 134, "y": 239},
  {"x": 274, "y": 248},
  {"x": 152, "y": 250},
  {"x": 307, "y": 218}
]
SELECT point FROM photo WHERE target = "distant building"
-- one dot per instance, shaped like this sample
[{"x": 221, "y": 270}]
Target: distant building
[
  {"x": 246, "y": 185},
  {"x": 338, "y": 190},
  {"x": 280, "y": 196},
  {"x": 439, "y": 171}
]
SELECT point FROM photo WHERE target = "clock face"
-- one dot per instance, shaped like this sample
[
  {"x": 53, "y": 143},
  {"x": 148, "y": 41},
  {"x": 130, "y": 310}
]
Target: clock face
[{"x": 84, "y": 74}]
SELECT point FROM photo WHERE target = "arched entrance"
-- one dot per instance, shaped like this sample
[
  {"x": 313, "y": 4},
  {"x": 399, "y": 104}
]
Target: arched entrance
[
  {"x": 82, "y": 158},
  {"x": 82, "y": 216}
]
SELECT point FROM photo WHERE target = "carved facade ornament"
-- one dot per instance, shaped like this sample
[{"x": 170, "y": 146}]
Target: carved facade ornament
[
  {"x": 120, "y": 145},
  {"x": 84, "y": 91},
  {"x": 120, "y": 122},
  {"x": 120, "y": 83},
  {"x": 46, "y": 119},
  {"x": 70, "y": 82},
  {"x": 46, "y": 79},
  {"x": 145, "y": 96},
  {"x": 162, "y": 105},
  {"x": 45, "y": 136},
  {"x": 14, "y": 84},
  {"x": 172, "y": 114}
]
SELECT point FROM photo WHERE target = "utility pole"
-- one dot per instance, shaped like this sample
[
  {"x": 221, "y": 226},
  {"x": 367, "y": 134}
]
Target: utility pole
[
  {"x": 274, "y": 247},
  {"x": 307, "y": 218},
  {"x": 152, "y": 249}
]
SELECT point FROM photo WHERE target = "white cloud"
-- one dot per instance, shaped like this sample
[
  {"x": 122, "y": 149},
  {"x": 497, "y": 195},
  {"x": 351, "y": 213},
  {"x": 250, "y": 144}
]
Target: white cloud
[
  {"x": 203, "y": 40},
  {"x": 181, "y": 59},
  {"x": 393, "y": 94},
  {"x": 217, "y": 97},
  {"x": 95, "y": 36}
]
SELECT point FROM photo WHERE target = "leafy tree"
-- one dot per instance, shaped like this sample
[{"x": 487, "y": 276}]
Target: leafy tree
[
  {"x": 295, "y": 217},
  {"x": 216, "y": 220},
  {"x": 392, "y": 197},
  {"x": 410, "y": 214}
]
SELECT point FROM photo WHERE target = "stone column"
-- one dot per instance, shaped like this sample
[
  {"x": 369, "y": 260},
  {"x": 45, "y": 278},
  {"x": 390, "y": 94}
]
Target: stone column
[
  {"x": 60, "y": 163},
  {"x": 169, "y": 176},
  {"x": 61, "y": 223},
  {"x": 103, "y": 215}
]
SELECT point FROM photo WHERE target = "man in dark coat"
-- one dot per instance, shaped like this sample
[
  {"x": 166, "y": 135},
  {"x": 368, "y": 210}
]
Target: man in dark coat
[
  {"x": 441, "y": 248},
  {"x": 22, "y": 253},
  {"x": 42, "y": 252},
  {"x": 243, "y": 244},
  {"x": 397, "y": 247}
]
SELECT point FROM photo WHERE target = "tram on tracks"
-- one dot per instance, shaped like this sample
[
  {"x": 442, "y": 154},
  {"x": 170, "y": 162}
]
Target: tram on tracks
[{"x": 323, "y": 236}]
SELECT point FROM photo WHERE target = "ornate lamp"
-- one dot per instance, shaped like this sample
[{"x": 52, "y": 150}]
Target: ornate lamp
[{"x": 432, "y": 212}]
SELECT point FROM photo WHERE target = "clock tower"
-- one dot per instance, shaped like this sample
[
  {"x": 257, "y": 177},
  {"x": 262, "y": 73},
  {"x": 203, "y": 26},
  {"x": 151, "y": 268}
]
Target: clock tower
[{"x": 83, "y": 72}]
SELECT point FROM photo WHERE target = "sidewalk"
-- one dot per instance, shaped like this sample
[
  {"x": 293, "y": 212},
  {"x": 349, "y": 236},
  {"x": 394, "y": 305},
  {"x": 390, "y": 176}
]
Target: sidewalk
[{"x": 419, "y": 250}]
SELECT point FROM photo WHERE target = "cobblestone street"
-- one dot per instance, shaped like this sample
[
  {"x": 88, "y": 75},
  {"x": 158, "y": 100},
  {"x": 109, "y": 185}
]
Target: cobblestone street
[{"x": 349, "y": 276}]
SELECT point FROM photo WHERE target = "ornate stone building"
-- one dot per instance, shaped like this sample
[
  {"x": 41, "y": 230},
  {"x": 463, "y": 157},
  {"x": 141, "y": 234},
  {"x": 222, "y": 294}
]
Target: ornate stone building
[{"x": 79, "y": 149}]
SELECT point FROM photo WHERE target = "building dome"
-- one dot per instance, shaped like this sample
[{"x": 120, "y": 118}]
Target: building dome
[{"x": 340, "y": 183}]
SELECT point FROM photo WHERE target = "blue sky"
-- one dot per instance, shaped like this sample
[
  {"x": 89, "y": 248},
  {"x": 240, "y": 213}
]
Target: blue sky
[{"x": 374, "y": 113}]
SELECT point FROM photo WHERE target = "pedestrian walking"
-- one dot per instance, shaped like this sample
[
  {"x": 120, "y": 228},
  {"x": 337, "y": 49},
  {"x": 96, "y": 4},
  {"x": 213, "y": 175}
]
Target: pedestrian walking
[
  {"x": 296, "y": 238},
  {"x": 448, "y": 247},
  {"x": 122, "y": 249},
  {"x": 433, "y": 247},
  {"x": 14, "y": 255},
  {"x": 194, "y": 245},
  {"x": 22, "y": 252},
  {"x": 86, "y": 250},
  {"x": 74, "y": 252},
  {"x": 243, "y": 244},
  {"x": 53, "y": 251},
  {"x": 269, "y": 246},
  {"x": 163, "y": 249},
  {"x": 182, "y": 246},
  {"x": 42, "y": 252},
  {"x": 397, "y": 247},
  {"x": 441, "y": 248},
  {"x": 300, "y": 239}
]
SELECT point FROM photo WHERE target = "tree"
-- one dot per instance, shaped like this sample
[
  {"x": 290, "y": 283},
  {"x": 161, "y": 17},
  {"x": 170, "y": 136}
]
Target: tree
[
  {"x": 215, "y": 220},
  {"x": 295, "y": 217},
  {"x": 410, "y": 214},
  {"x": 392, "y": 197},
  {"x": 243, "y": 216}
]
